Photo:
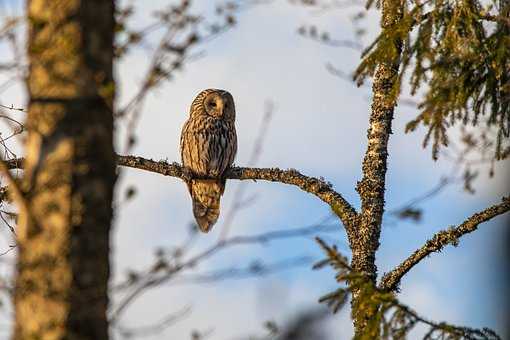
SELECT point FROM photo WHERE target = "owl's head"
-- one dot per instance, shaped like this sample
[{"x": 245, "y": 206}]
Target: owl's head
[{"x": 215, "y": 103}]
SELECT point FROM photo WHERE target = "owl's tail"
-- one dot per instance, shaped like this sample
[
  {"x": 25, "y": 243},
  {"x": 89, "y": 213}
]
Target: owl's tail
[{"x": 206, "y": 196}]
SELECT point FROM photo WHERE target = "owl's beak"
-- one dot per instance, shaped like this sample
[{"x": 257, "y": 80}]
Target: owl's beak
[
  {"x": 224, "y": 99},
  {"x": 221, "y": 105}
]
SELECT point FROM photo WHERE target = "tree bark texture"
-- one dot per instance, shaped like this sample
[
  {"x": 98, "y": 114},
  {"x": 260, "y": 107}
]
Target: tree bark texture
[
  {"x": 372, "y": 186},
  {"x": 436, "y": 243},
  {"x": 63, "y": 237}
]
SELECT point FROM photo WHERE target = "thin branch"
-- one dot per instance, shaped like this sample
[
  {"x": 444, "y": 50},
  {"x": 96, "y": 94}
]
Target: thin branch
[
  {"x": 12, "y": 107},
  {"x": 497, "y": 18},
  {"x": 11, "y": 248},
  {"x": 255, "y": 269},
  {"x": 155, "y": 328},
  {"x": 15, "y": 189},
  {"x": 458, "y": 331},
  {"x": 238, "y": 200},
  {"x": 14, "y": 163},
  {"x": 324, "y": 38},
  {"x": 326, "y": 6},
  {"x": 339, "y": 73},
  {"x": 391, "y": 280},
  {"x": 440, "y": 186},
  {"x": 391, "y": 319},
  {"x": 4, "y": 194},
  {"x": 408, "y": 209},
  {"x": 163, "y": 274},
  {"x": 11, "y": 228}
]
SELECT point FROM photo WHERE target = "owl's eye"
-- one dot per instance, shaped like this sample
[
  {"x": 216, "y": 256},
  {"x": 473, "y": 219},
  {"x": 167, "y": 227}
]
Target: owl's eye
[{"x": 213, "y": 104}]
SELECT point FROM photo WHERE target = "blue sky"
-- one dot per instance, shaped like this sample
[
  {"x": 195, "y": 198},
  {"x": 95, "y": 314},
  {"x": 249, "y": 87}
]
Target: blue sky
[{"x": 319, "y": 127}]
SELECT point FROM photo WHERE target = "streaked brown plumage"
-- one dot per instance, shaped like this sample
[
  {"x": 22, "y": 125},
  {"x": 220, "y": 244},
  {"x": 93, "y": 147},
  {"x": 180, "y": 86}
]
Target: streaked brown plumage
[{"x": 208, "y": 148}]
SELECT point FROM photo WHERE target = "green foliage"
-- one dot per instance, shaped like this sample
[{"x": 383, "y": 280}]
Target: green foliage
[
  {"x": 389, "y": 318},
  {"x": 457, "y": 52}
]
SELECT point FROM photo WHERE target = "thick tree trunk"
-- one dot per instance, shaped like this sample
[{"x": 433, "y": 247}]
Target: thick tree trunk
[
  {"x": 371, "y": 188},
  {"x": 63, "y": 238}
]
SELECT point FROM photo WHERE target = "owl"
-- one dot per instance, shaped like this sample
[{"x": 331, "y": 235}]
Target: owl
[{"x": 208, "y": 148}]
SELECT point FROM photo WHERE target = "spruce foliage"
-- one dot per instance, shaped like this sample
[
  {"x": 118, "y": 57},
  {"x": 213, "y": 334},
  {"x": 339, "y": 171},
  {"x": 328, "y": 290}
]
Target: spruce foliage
[
  {"x": 392, "y": 320},
  {"x": 458, "y": 53}
]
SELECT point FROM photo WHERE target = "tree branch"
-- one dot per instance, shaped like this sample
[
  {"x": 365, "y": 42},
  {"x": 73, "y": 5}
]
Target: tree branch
[
  {"x": 166, "y": 270},
  {"x": 372, "y": 186},
  {"x": 391, "y": 280},
  {"x": 318, "y": 187},
  {"x": 154, "y": 328},
  {"x": 15, "y": 189}
]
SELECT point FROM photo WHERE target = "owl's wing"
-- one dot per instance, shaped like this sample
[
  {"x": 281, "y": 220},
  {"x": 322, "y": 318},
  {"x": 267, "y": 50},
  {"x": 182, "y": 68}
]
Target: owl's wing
[
  {"x": 186, "y": 152},
  {"x": 229, "y": 147},
  {"x": 228, "y": 144},
  {"x": 183, "y": 133},
  {"x": 232, "y": 146}
]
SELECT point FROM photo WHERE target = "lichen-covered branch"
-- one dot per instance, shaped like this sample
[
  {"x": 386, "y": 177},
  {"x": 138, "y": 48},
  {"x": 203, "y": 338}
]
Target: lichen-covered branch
[
  {"x": 318, "y": 187},
  {"x": 372, "y": 186},
  {"x": 390, "y": 318},
  {"x": 391, "y": 280}
]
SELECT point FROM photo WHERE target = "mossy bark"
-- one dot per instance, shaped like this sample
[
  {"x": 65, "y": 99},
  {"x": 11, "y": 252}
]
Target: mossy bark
[
  {"x": 63, "y": 238},
  {"x": 372, "y": 186}
]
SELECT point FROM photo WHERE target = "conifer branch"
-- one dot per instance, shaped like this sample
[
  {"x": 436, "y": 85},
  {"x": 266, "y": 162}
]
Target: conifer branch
[
  {"x": 316, "y": 186},
  {"x": 391, "y": 280},
  {"x": 391, "y": 318}
]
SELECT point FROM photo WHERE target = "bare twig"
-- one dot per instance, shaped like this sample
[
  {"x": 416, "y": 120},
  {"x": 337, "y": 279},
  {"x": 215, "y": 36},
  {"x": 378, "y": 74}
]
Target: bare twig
[
  {"x": 339, "y": 73},
  {"x": 410, "y": 211},
  {"x": 325, "y": 39},
  {"x": 4, "y": 194},
  {"x": 391, "y": 280},
  {"x": 323, "y": 6},
  {"x": 11, "y": 248},
  {"x": 256, "y": 268},
  {"x": 12, "y": 107},
  {"x": 11, "y": 228},
  {"x": 15, "y": 189},
  {"x": 155, "y": 328},
  {"x": 167, "y": 272}
]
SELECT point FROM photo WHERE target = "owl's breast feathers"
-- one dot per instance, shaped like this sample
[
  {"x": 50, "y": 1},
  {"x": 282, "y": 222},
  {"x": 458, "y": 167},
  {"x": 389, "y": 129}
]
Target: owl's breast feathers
[{"x": 208, "y": 146}]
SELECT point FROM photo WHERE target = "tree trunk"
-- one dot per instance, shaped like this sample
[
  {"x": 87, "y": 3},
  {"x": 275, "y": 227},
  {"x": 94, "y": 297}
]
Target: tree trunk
[
  {"x": 63, "y": 237},
  {"x": 371, "y": 188}
]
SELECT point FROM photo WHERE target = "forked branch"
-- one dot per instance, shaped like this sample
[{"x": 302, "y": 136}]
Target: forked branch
[{"x": 391, "y": 280}]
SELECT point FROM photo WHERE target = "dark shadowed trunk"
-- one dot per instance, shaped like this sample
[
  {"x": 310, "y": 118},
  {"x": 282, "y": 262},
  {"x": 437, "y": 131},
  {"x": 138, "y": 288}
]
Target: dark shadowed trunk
[{"x": 63, "y": 240}]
